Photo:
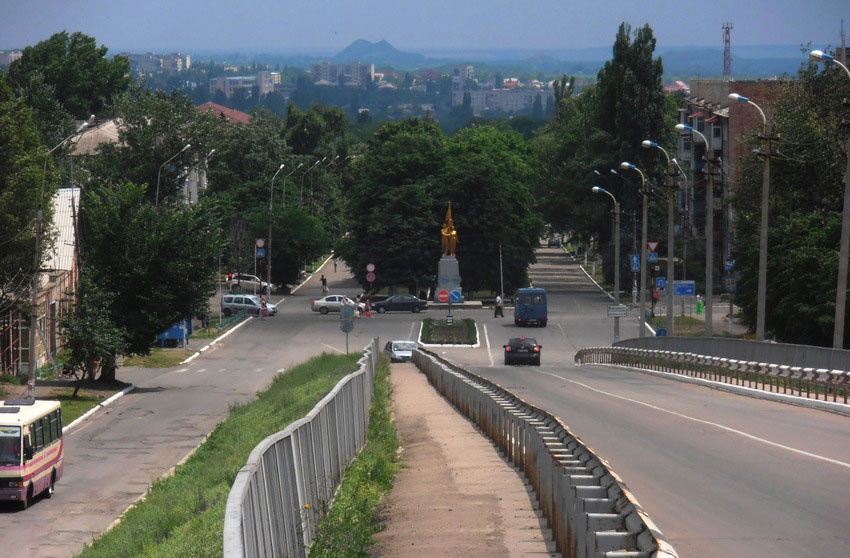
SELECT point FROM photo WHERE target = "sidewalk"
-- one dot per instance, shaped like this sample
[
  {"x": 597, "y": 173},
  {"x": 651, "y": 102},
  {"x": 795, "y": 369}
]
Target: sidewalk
[{"x": 455, "y": 496}]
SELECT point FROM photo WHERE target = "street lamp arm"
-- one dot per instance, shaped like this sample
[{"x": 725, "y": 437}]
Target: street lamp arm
[
  {"x": 159, "y": 172},
  {"x": 742, "y": 99},
  {"x": 820, "y": 55}
]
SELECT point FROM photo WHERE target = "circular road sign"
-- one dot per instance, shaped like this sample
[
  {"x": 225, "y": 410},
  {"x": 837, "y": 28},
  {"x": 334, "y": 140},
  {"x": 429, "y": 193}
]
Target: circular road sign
[
  {"x": 370, "y": 277},
  {"x": 443, "y": 296},
  {"x": 347, "y": 326},
  {"x": 370, "y": 267},
  {"x": 261, "y": 242},
  {"x": 456, "y": 296},
  {"x": 346, "y": 313}
]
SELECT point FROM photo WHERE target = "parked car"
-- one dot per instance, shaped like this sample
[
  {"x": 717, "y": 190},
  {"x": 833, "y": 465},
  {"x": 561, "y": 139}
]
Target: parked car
[
  {"x": 401, "y": 303},
  {"x": 553, "y": 243},
  {"x": 400, "y": 350},
  {"x": 233, "y": 303},
  {"x": 522, "y": 349},
  {"x": 243, "y": 283},
  {"x": 333, "y": 303}
]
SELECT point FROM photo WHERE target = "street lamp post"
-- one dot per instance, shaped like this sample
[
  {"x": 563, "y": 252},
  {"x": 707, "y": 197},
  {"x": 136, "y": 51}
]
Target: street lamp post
[
  {"x": 709, "y": 229},
  {"x": 269, "y": 253},
  {"x": 284, "y": 182},
  {"x": 600, "y": 190},
  {"x": 643, "y": 246},
  {"x": 159, "y": 172},
  {"x": 671, "y": 231},
  {"x": 844, "y": 249},
  {"x": 316, "y": 164},
  {"x": 685, "y": 218},
  {"x": 761, "y": 303},
  {"x": 36, "y": 277}
]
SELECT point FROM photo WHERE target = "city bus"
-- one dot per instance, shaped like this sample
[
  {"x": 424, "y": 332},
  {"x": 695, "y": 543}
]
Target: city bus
[{"x": 31, "y": 449}]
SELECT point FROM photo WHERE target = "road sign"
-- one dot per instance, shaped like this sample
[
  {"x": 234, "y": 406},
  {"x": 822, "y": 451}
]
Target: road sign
[
  {"x": 347, "y": 326},
  {"x": 261, "y": 253},
  {"x": 370, "y": 267},
  {"x": 661, "y": 283},
  {"x": 370, "y": 277},
  {"x": 652, "y": 245},
  {"x": 652, "y": 257},
  {"x": 456, "y": 296},
  {"x": 684, "y": 288},
  {"x": 635, "y": 261},
  {"x": 729, "y": 281},
  {"x": 617, "y": 310},
  {"x": 261, "y": 242},
  {"x": 346, "y": 313},
  {"x": 443, "y": 296}
]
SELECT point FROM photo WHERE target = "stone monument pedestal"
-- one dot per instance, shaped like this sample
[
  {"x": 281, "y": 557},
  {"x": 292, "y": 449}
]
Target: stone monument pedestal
[{"x": 448, "y": 276}]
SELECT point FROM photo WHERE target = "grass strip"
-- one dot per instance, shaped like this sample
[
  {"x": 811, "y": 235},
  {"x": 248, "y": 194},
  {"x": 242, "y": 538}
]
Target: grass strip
[
  {"x": 183, "y": 514},
  {"x": 347, "y": 529}
]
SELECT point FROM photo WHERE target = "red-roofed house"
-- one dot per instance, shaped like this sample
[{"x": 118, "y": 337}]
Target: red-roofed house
[{"x": 231, "y": 115}]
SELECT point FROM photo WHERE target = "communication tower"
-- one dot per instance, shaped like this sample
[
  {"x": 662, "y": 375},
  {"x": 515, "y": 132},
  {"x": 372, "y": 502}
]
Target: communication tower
[{"x": 727, "y": 51}]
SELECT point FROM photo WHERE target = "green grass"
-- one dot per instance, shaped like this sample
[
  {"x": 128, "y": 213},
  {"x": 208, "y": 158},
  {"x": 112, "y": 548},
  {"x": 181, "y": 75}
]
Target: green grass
[
  {"x": 183, "y": 515},
  {"x": 75, "y": 407},
  {"x": 160, "y": 358},
  {"x": 460, "y": 332},
  {"x": 352, "y": 519}
]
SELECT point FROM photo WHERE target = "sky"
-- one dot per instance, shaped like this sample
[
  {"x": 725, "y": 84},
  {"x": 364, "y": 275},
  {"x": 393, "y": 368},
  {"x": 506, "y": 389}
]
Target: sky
[{"x": 417, "y": 26}]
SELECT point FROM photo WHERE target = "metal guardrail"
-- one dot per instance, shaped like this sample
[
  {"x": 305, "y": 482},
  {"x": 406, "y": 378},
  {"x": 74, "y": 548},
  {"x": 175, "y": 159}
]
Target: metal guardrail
[
  {"x": 817, "y": 384},
  {"x": 589, "y": 509},
  {"x": 283, "y": 490},
  {"x": 229, "y": 321}
]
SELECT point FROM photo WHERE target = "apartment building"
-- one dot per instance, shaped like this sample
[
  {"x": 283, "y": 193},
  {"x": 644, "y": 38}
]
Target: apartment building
[
  {"x": 266, "y": 82},
  {"x": 355, "y": 74},
  {"x": 150, "y": 63},
  {"x": 9, "y": 56}
]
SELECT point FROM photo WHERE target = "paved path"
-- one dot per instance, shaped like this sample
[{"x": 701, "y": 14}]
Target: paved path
[{"x": 456, "y": 496}]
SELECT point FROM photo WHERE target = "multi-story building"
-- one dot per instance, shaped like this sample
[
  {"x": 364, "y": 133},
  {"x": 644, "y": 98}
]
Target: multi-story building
[
  {"x": 355, "y": 74},
  {"x": 150, "y": 63},
  {"x": 266, "y": 82},
  {"x": 514, "y": 98},
  {"x": 9, "y": 56}
]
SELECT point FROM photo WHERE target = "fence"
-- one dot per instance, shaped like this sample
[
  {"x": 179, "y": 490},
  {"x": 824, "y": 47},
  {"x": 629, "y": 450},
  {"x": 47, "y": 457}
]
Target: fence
[
  {"x": 818, "y": 384},
  {"x": 289, "y": 480},
  {"x": 589, "y": 509}
]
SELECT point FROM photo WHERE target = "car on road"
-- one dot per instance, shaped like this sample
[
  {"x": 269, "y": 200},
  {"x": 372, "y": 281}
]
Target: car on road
[
  {"x": 243, "y": 283},
  {"x": 333, "y": 303},
  {"x": 400, "y": 350},
  {"x": 400, "y": 303},
  {"x": 522, "y": 350},
  {"x": 553, "y": 243},
  {"x": 248, "y": 303}
]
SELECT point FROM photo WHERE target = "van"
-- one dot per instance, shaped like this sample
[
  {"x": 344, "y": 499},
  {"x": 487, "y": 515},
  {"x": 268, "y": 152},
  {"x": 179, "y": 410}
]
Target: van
[
  {"x": 250, "y": 304},
  {"x": 530, "y": 307}
]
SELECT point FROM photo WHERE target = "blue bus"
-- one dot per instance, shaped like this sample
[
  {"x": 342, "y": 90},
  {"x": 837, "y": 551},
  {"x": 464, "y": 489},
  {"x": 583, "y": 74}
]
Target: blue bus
[{"x": 530, "y": 307}]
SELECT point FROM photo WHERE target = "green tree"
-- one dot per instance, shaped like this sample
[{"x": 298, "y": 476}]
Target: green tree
[
  {"x": 83, "y": 79},
  {"x": 157, "y": 264},
  {"x": 486, "y": 178},
  {"x": 21, "y": 178},
  {"x": 392, "y": 218}
]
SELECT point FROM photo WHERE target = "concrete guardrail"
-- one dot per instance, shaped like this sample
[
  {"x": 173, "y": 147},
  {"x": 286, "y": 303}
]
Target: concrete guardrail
[
  {"x": 290, "y": 478},
  {"x": 589, "y": 509}
]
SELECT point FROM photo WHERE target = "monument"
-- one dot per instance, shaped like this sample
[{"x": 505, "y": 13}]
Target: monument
[{"x": 448, "y": 269}]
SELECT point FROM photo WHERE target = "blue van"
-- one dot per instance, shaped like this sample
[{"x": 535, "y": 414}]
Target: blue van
[{"x": 530, "y": 307}]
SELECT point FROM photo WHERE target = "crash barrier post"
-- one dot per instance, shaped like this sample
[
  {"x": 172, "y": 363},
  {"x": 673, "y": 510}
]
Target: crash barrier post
[
  {"x": 589, "y": 509},
  {"x": 290, "y": 478},
  {"x": 830, "y": 389}
]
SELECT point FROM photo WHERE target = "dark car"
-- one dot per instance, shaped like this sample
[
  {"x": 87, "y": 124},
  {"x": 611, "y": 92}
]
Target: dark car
[
  {"x": 553, "y": 243},
  {"x": 400, "y": 303},
  {"x": 522, "y": 350}
]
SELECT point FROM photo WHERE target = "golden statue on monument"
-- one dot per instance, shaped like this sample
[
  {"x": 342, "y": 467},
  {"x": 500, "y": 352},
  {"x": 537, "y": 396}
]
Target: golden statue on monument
[{"x": 449, "y": 234}]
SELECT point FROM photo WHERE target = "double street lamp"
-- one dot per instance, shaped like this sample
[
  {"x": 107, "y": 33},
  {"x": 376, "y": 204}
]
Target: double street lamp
[
  {"x": 316, "y": 164},
  {"x": 269, "y": 254},
  {"x": 601, "y": 190},
  {"x": 649, "y": 144},
  {"x": 844, "y": 249},
  {"x": 709, "y": 227},
  {"x": 159, "y": 172},
  {"x": 643, "y": 246}
]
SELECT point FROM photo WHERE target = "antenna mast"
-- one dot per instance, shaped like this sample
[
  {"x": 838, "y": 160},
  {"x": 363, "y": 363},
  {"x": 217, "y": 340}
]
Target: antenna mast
[{"x": 727, "y": 51}]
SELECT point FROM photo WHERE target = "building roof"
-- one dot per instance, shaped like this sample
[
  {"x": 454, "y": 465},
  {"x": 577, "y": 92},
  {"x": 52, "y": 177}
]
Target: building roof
[
  {"x": 233, "y": 116},
  {"x": 65, "y": 209},
  {"x": 91, "y": 138}
]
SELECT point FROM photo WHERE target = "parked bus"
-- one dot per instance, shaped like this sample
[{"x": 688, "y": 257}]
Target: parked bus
[
  {"x": 31, "y": 449},
  {"x": 530, "y": 307}
]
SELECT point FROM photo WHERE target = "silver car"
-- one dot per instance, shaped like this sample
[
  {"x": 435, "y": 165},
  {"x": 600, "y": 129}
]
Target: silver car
[
  {"x": 243, "y": 283},
  {"x": 400, "y": 350},
  {"x": 333, "y": 303},
  {"x": 250, "y": 304}
]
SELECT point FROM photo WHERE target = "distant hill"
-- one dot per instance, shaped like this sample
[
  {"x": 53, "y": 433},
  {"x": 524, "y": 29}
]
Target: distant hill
[{"x": 381, "y": 53}]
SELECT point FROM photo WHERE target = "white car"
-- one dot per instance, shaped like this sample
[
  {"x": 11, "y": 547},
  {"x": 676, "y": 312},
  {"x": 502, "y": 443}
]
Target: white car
[
  {"x": 400, "y": 350},
  {"x": 243, "y": 283},
  {"x": 248, "y": 303},
  {"x": 333, "y": 303}
]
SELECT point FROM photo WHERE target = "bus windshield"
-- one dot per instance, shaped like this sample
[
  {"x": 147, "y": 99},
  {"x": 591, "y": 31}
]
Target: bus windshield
[{"x": 10, "y": 445}]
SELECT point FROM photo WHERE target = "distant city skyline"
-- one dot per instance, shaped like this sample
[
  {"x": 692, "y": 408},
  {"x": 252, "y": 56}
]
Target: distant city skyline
[{"x": 420, "y": 26}]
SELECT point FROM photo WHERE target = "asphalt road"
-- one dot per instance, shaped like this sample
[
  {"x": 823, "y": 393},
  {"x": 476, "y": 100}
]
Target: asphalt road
[{"x": 720, "y": 474}]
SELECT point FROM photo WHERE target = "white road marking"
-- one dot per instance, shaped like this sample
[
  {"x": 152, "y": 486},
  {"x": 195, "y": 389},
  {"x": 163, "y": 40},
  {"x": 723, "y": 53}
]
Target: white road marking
[
  {"x": 332, "y": 348},
  {"x": 706, "y": 422},
  {"x": 487, "y": 341}
]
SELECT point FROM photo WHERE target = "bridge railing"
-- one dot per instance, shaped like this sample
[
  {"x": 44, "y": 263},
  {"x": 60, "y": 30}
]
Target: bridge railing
[
  {"x": 818, "y": 384},
  {"x": 589, "y": 509}
]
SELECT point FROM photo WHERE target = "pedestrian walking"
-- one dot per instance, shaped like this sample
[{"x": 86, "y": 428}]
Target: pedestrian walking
[
  {"x": 324, "y": 284},
  {"x": 336, "y": 262},
  {"x": 655, "y": 296},
  {"x": 499, "y": 310},
  {"x": 264, "y": 308}
]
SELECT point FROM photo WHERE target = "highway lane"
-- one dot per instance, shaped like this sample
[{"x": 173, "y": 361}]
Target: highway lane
[{"x": 720, "y": 474}]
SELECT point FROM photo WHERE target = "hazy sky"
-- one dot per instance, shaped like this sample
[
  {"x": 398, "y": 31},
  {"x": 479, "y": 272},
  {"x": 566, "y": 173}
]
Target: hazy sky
[{"x": 421, "y": 25}]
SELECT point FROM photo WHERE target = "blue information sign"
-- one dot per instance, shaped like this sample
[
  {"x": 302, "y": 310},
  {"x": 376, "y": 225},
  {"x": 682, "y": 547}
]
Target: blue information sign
[
  {"x": 456, "y": 296},
  {"x": 261, "y": 253},
  {"x": 635, "y": 261},
  {"x": 684, "y": 288}
]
